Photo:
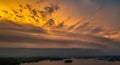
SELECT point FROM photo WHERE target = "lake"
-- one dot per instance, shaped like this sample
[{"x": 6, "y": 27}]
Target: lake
[
  {"x": 57, "y": 56},
  {"x": 76, "y": 62}
]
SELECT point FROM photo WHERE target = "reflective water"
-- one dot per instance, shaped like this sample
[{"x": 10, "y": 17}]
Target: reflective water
[{"x": 75, "y": 62}]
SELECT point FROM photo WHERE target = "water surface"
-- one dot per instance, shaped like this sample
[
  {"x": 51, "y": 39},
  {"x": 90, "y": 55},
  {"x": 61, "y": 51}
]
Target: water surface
[{"x": 76, "y": 62}]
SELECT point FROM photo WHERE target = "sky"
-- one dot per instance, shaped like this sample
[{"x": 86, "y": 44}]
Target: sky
[{"x": 60, "y": 24}]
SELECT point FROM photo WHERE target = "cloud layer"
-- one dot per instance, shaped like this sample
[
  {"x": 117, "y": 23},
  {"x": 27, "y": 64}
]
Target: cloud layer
[
  {"x": 89, "y": 24},
  {"x": 28, "y": 36}
]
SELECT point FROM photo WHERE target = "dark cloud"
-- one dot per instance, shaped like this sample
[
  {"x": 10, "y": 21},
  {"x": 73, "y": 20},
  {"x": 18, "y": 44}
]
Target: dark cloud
[
  {"x": 15, "y": 11},
  {"x": 60, "y": 25},
  {"x": 21, "y": 6},
  {"x": 19, "y": 16},
  {"x": 34, "y": 12},
  {"x": 15, "y": 34},
  {"x": 21, "y": 10},
  {"x": 28, "y": 6},
  {"x": 23, "y": 38},
  {"x": 43, "y": 14},
  {"x": 84, "y": 25},
  {"x": 6, "y": 12},
  {"x": 72, "y": 27},
  {"x": 8, "y": 25},
  {"x": 97, "y": 30},
  {"x": 51, "y": 9},
  {"x": 50, "y": 23}
]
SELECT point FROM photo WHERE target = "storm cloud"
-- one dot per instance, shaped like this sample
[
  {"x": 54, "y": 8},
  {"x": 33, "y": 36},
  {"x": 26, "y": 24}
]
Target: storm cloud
[
  {"x": 89, "y": 24},
  {"x": 28, "y": 36}
]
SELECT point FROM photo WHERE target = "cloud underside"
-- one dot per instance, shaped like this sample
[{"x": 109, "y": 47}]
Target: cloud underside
[{"x": 28, "y": 36}]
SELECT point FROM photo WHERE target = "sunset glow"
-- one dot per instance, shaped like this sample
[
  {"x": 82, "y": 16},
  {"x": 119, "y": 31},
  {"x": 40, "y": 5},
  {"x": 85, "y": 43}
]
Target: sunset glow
[{"x": 59, "y": 23}]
